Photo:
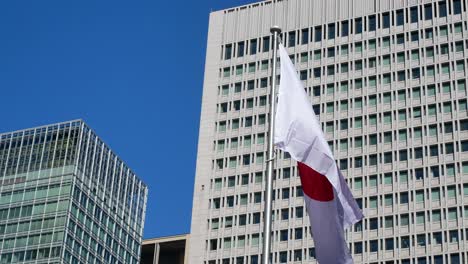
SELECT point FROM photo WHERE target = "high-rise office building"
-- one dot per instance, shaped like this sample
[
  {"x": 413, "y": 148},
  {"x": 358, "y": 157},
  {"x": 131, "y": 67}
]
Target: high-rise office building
[
  {"x": 388, "y": 81},
  {"x": 67, "y": 198}
]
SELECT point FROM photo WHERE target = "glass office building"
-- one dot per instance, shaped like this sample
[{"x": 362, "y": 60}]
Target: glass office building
[
  {"x": 388, "y": 81},
  {"x": 65, "y": 197}
]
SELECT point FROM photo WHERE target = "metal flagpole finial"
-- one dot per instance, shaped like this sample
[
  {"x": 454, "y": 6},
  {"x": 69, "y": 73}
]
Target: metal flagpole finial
[{"x": 276, "y": 29}]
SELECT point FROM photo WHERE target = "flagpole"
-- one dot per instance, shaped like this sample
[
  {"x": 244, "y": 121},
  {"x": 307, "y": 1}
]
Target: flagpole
[{"x": 275, "y": 30}]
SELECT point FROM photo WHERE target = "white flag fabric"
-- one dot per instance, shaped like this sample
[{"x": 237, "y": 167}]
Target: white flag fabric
[{"x": 330, "y": 204}]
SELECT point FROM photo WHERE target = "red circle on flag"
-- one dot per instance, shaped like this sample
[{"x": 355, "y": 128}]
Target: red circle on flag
[{"x": 314, "y": 184}]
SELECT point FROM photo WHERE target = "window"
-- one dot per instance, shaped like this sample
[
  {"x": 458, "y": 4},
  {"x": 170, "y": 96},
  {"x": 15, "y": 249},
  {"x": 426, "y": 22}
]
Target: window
[
  {"x": 298, "y": 233},
  {"x": 227, "y": 243},
  {"x": 331, "y": 31},
  {"x": 304, "y": 56},
  {"x": 430, "y": 52},
  {"x": 304, "y": 36},
  {"x": 243, "y": 199},
  {"x": 358, "y": 25},
  {"x": 373, "y": 120},
  {"x": 437, "y": 239},
  {"x": 404, "y": 219},
  {"x": 403, "y": 155},
  {"x": 417, "y": 112},
  {"x": 400, "y": 18},
  {"x": 253, "y": 47},
  {"x": 344, "y": 29},
  {"x": 373, "y": 245},
  {"x": 442, "y": 9},
  {"x": 358, "y": 122},
  {"x": 358, "y": 48},
  {"x": 403, "y": 176},
  {"x": 457, "y": 7},
  {"x": 386, "y": 20},
  {"x": 460, "y": 65},
  {"x": 372, "y": 23},
  {"x": 228, "y": 52},
  {"x": 373, "y": 181},
  {"x": 372, "y": 63},
  {"x": 429, "y": 33},
  {"x": 403, "y": 198},
  {"x": 451, "y": 191},
  {"x": 251, "y": 69},
  {"x": 292, "y": 39},
  {"x": 388, "y": 200},
  {"x": 239, "y": 69},
  {"x": 255, "y": 239},
  {"x": 318, "y": 34},
  {"x": 284, "y": 235},
  {"x": 386, "y": 60},
  {"x": 414, "y": 14},
  {"x": 266, "y": 44},
  {"x": 229, "y": 203},
  {"x": 344, "y": 50},
  {"x": 240, "y": 49},
  {"x": 444, "y": 49},
  {"x": 452, "y": 214},
  {"x": 428, "y": 12},
  {"x": 436, "y": 217},
  {"x": 226, "y": 72},
  {"x": 284, "y": 214},
  {"x": 447, "y": 107},
  {"x": 238, "y": 87},
  {"x": 420, "y": 218}
]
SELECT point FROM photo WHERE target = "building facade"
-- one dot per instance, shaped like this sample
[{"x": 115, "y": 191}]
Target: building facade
[
  {"x": 388, "y": 81},
  {"x": 165, "y": 250},
  {"x": 67, "y": 198}
]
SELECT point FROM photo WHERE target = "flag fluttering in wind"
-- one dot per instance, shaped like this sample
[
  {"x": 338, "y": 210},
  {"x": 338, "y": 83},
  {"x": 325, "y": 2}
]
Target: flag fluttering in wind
[{"x": 330, "y": 204}]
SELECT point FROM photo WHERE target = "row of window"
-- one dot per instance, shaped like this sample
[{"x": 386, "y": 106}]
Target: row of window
[
  {"x": 386, "y": 61},
  {"x": 31, "y": 226},
  {"x": 401, "y": 135},
  {"x": 407, "y": 242},
  {"x": 31, "y": 210},
  {"x": 388, "y": 78},
  {"x": 359, "y": 64},
  {"x": 253, "y": 198},
  {"x": 309, "y": 254},
  {"x": 418, "y": 196},
  {"x": 248, "y": 121},
  {"x": 403, "y": 176},
  {"x": 402, "y": 156},
  {"x": 248, "y": 103},
  {"x": 31, "y": 240},
  {"x": 372, "y": 45},
  {"x": 345, "y": 28},
  {"x": 419, "y": 218},
  {"x": 41, "y": 192},
  {"x": 359, "y": 161},
  {"x": 386, "y": 244},
  {"x": 30, "y": 255},
  {"x": 254, "y": 218},
  {"x": 431, "y": 130}
]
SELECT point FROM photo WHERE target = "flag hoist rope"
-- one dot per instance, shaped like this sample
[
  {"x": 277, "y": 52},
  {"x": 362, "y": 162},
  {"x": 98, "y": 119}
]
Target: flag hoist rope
[{"x": 266, "y": 259}]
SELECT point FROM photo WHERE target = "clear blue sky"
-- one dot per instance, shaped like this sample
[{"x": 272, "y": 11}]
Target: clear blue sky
[{"x": 133, "y": 70}]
